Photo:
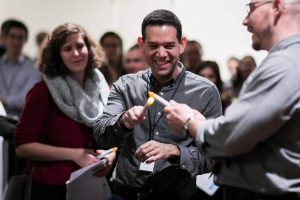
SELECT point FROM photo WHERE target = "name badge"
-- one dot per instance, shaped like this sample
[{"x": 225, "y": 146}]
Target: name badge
[
  {"x": 205, "y": 182},
  {"x": 148, "y": 167}
]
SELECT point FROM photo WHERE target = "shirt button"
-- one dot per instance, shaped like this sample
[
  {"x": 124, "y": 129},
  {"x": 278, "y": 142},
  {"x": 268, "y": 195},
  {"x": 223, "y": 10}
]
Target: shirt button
[
  {"x": 161, "y": 93},
  {"x": 159, "y": 113},
  {"x": 115, "y": 130},
  {"x": 156, "y": 133},
  {"x": 183, "y": 166}
]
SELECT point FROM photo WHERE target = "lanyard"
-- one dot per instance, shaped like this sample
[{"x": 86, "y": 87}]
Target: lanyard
[{"x": 151, "y": 129}]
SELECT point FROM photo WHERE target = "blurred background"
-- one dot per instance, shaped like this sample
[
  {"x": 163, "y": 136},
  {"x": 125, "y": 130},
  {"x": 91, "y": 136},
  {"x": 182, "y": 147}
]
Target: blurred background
[{"x": 216, "y": 24}]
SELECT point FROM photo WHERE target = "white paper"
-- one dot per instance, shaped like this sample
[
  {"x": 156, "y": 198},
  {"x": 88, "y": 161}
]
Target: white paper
[
  {"x": 205, "y": 182},
  {"x": 2, "y": 110},
  {"x": 82, "y": 185}
]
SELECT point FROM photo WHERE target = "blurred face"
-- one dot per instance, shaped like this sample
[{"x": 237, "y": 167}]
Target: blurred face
[
  {"x": 14, "y": 41},
  {"x": 232, "y": 66},
  {"x": 135, "y": 61},
  {"x": 74, "y": 54},
  {"x": 112, "y": 48},
  {"x": 162, "y": 51},
  {"x": 208, "y": 73},
  {"x": 259, "y": 23},
  {"x": 193, "y": 54}
]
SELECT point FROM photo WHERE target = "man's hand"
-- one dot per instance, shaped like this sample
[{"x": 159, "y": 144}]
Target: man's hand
[
  {"x": 179, "y": 114},
  {"x": 132, "y": 117},
  {"x": 153, "y": 150}
]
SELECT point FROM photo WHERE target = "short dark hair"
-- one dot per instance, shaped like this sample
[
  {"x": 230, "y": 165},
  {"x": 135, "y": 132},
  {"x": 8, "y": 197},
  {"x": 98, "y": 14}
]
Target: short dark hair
[
  {"x": 11, "y": 23},
  {"x": 162, "y": 17},
  {"x": 52, "y": 63},
  {"x": 40, "y": 37}
]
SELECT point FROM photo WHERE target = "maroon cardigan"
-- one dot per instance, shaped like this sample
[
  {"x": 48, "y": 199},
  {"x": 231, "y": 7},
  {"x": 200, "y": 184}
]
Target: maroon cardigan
[{"x": 62, "y": 132}]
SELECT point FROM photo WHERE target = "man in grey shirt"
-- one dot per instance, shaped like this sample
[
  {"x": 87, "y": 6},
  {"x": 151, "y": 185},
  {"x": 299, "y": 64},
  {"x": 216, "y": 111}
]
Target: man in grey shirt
[
  {"x": 259, "y": 135},
  {"x": 172, "y": 161}
]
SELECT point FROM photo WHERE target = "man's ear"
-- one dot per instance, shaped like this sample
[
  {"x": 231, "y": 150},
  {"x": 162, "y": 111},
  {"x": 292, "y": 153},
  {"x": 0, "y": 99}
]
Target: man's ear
[
  {"x": 183, "y": 42},
  {"x": 140, "y": 42},
  {"x": 277, "y": 6}
]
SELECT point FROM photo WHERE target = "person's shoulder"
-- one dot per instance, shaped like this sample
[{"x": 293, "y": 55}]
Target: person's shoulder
[
  {"x": 40, "y": 88},
  {"x": 135, "y": 78},
  {"x": 197, "y": 79}
]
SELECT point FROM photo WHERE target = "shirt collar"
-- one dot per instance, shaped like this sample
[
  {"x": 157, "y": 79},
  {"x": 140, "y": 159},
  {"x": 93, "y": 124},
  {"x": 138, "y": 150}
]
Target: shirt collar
[
  {"x": 285, "y": 43},
  {"x": 19, "y": 59},
  {"x": 172, "y": 82}
]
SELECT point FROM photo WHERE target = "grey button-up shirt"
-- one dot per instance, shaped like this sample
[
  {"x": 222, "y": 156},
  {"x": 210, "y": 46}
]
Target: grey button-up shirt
[
  {"x": 260, "y": 132},
  {"x": 131, "y": 90}
]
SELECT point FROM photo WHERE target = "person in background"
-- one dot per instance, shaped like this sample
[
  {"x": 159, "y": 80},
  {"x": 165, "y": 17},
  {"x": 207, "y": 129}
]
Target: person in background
[
  {"x": 192, "y": 56},
  {"x": 135, "y": 60},
  {"x": 112, "y": 67},
  {"x": 73, "y": 95},
  {"x": 171, "y": 162},
  {"x": 211, "y": 71},
  {"x": 40, "y": 41},
  {"x": 259, "y": 135},
  {"x": 232, "y": 64},
  {"x": 17, "y": 72},
  {"x": 245, "y": 68}
]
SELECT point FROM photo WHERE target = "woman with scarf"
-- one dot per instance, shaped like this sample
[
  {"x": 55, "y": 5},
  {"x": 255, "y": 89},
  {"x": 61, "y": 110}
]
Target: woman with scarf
[{"x": 68, "y": 101}]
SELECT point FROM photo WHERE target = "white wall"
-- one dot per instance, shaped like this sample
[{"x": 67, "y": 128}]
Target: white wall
[{"x": 217, "y": 24}]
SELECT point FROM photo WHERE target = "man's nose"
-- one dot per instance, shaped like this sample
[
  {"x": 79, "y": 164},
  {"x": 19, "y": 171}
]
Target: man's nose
[{"x": 161, "y": 52}]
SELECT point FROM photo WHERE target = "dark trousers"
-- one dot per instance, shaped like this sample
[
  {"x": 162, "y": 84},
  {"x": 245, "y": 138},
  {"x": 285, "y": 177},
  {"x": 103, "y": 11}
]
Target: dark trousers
[
  {"x": 41, "y": 191},
  {"x": 122, "y": 193},
  {"x": 232, "y": 193}
]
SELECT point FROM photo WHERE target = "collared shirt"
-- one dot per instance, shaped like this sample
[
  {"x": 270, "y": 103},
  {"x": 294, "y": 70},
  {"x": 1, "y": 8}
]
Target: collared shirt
[
  {"x": 131, "y": 90},
  {"x": 260, "y": 132},
  {"x": 16, "y": 78}
]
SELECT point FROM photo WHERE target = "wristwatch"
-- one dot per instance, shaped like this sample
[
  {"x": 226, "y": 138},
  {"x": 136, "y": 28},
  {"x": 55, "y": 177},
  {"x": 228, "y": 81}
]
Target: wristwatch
[{"x": 187, "y": 122}]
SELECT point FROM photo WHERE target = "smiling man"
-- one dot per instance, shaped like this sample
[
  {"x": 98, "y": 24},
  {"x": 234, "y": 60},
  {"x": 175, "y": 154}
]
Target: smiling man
[
  {"x": 172, "y": 160},
  {"x": 259, "y": 135}
]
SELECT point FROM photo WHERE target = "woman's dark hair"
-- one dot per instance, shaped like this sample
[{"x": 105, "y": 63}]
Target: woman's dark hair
[
  {"x": 162, "y": 17},
  {"x": 215, "y": 68},
  {"x": 51, "y": 62}
]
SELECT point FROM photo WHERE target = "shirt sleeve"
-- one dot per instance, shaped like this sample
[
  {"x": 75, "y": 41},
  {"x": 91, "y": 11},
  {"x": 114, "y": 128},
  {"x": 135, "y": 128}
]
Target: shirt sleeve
[
  {"x": 266, "y": 103},
  {"x": 191, "y": 159},
  {"x": 108, "y": 132},
  {"x": 30, "y": 124}
]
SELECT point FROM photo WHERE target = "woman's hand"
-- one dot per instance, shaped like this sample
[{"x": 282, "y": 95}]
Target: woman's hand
[
  {"x": 110, "y": 159},
  {"x": 85, "y": 157}
]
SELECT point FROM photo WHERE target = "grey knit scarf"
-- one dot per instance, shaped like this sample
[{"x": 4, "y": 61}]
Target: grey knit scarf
[{"x": 82, "y": 105}]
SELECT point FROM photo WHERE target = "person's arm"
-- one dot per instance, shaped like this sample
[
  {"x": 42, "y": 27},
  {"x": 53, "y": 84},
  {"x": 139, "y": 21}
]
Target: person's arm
[
  {"x": 265, "y": 106},
  {"x": 191, "y": 159},
  {"x": 108, "y": 130},
  {"x": 39, "y": 151}
]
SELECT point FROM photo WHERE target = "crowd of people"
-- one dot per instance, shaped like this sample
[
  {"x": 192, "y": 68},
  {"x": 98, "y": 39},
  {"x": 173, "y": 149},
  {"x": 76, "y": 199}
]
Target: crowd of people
[{"x": 90, "y": 96}]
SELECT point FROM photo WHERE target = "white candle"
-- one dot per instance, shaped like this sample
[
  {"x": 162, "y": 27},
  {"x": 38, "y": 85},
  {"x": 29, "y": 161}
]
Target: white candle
[
  {"x": 159, "y": 99},
  {"x": 149, "y": 103}
]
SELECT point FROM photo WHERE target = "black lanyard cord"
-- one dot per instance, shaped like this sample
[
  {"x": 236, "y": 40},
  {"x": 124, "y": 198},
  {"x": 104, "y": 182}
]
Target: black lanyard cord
[{"x": 151, "y": 129}]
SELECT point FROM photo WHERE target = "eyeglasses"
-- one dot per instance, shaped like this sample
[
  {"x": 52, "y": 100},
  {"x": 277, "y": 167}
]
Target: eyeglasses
[{"x": 250, "y": 7}]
